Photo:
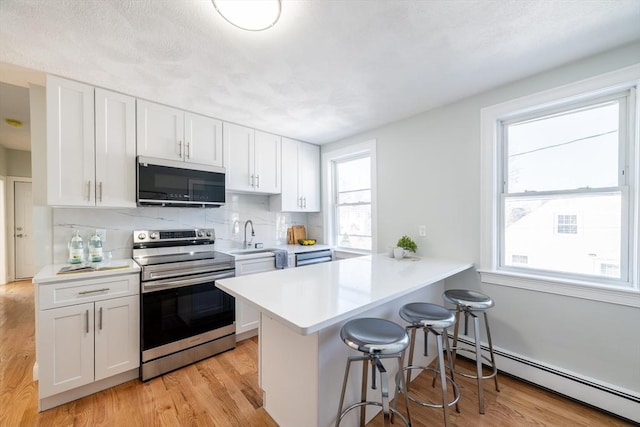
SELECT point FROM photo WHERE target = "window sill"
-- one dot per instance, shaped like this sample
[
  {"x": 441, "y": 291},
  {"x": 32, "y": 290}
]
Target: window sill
[{"x": 591, "y": 291}]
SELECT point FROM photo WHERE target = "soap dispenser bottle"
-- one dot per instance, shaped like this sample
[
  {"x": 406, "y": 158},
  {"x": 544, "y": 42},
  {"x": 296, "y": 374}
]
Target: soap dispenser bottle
[
  {"x": 76, "y": 248},
  {"x": 95, "y": 248}
]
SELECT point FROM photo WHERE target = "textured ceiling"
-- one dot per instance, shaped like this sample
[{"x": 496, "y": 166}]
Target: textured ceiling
[{"x": 328, "y": 69}]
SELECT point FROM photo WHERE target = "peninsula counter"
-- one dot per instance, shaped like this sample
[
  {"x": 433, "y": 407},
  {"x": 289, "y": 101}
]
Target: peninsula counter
[{"x": 301, "y": 356}]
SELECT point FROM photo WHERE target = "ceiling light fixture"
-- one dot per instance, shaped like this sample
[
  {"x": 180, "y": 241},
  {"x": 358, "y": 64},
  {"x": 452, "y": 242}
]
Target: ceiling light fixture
[{"x": 250, "y": 15}]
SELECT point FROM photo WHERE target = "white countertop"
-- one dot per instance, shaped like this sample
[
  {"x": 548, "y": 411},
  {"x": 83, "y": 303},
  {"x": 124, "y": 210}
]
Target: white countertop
[
  {"x": 49, "y": 273},
  {"x": 308, "y": 299}
]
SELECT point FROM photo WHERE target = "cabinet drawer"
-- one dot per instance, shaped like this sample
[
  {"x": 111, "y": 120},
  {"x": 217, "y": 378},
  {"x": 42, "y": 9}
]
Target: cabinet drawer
[{"x": 80, "y": 291}]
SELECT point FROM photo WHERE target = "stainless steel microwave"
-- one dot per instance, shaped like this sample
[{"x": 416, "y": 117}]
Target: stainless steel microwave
[{"x": 163, "y": 182}]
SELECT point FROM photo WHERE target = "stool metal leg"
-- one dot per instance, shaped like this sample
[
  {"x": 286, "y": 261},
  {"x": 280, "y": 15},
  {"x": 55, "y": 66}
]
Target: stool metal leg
[
  {"x": 456, "y": 330},
  {"x": 412, "y": 345},
  {"x": 344, "y": 388},
  {"x": 476, "y": 331},
  {"x": 363, "y": 391},
  {"x": 445, "y": 334},
  {"x": 443, "y": 379},
  {"x": 493, "y": 359}
]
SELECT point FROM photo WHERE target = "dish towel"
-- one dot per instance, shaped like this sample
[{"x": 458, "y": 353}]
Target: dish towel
[{"x": 282, "y": 258}]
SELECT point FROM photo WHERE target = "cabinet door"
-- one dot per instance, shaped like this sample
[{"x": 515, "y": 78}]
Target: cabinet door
[
  {"x": 65, "y": 348},
  {"x": 115, "y": 149},
  {"x": 268, "y": 155},
  {"x": 117, "y": 336},
  {"x": 203, "y": 138},
  {"x": 160, "y": 131},
  {"x": 238, "y": 153},
  {"x": 291, "y": 199},
  {"x": 247, "y": 317},
  {"x": 309, "y": 176},
  {"x": 70, "y": 143}
]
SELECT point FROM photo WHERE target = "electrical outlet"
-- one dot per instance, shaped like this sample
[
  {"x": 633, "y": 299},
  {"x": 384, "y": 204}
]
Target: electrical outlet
[
  {"x": 102, "y": 233},
  {"x": 422, "y": 231}
]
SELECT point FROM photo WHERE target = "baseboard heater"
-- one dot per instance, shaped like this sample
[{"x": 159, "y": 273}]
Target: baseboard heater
[{"x": 612, "y": 400}]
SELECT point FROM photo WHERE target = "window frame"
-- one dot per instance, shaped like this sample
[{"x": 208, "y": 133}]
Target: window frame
[
  {"x": 367, "y": 148},
  {"x": 625, "y": 293}
]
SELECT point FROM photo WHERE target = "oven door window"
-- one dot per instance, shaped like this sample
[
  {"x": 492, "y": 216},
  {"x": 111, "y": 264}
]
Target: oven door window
[{"x": 174, "y": 314}]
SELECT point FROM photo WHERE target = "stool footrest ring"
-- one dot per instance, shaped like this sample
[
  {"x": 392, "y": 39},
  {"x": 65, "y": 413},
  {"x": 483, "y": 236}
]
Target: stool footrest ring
[
  {"x": 359, "y": 404},
  {"x": 489, "y": 364},
  {"x": 456, "y": 390}
]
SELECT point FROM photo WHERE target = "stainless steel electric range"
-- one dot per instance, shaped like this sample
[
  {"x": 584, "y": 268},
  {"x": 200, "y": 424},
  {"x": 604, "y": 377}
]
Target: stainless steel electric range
[{"x": 184, "y": 317}]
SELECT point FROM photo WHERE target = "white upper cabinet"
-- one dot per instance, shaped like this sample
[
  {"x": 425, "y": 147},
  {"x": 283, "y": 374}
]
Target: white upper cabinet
[
  {"x": 252, "y": 159},
  {"x": 89, "y": 163},
  {"x": 203, "y": 136},
  {"x": 300, "y": 178},
  {"x": 173, "y": 134},
  {"x": 115, "y": 149}
]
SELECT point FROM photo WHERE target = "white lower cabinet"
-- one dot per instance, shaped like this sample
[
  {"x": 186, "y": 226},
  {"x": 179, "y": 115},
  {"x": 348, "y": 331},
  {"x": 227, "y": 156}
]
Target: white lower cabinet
[
  {"x": 87, "y": 331},
  {"x": 247, "y": 317}
]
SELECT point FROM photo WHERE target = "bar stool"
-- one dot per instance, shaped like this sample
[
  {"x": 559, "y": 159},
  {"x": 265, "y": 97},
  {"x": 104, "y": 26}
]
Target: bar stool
[
  {"x": 435, "y": 319},
  {"x": 470, "y": 303},
  {"x": 377, "y": 339}
]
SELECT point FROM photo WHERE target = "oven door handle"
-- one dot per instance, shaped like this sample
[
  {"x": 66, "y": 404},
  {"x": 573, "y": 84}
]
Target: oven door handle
[{"x": 179, "y": 282}]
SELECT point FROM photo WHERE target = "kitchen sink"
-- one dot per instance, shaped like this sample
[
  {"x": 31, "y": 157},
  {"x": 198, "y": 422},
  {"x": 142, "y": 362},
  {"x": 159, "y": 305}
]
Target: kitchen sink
[{"x": 240, "y": 254}]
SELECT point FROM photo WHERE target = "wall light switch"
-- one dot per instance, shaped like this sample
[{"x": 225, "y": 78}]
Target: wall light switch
[{"x": 422, "y": 231}]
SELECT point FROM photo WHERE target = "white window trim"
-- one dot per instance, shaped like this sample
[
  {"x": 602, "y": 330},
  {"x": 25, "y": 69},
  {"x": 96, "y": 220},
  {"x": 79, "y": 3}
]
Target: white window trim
[
  {"x": 328, "y": 157},
  {"x": 489, "y": 244}
]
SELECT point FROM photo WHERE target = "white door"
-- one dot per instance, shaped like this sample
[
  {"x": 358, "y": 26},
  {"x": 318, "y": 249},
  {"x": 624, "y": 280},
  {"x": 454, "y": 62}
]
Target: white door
[
  {"x": 65, "y": 348},
  {"x": 268, "y": 155},
  {"x": 160, "y": 131},
  {"x": 115, "y": 149},
  {"x": 238, "y": 152},
  {"x": 117, "y": 336},
  {"x": 203, "y": 136},
  {"x": 23, "y": 202}
]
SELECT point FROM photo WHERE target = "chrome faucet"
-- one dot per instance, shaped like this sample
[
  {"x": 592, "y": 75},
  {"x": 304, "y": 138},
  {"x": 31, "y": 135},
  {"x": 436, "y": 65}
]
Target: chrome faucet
[{"x": 245, "y": 244}]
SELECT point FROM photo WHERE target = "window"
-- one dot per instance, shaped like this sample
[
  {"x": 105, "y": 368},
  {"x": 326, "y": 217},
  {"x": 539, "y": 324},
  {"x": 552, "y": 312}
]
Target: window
[
  {"x": 352, "y": 178},
  {"x": 569, "y": 158},
  {"x": 560, "y": 190},
  {"x": 567, "y": 224},
  {"x": 350, "y": 197}
]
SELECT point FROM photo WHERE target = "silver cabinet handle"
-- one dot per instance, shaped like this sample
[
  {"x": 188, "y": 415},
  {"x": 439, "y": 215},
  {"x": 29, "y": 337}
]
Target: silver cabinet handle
[
  {"x": 305, "y": 202},
  {"x": 93, "y": 291},
  {"x": 188, "y": 150},
  {"x": 251, "y": 181},
  {"x": 100, "y": 187},
  {"x": 86, "y": 318},
  {"x": 180, "y": 149},
  {"x": 89, "y": 191},
  {"x": 258, "y": 180},
  {"x": 100, "y": 319},
  {"x": 300, "y": 202}
]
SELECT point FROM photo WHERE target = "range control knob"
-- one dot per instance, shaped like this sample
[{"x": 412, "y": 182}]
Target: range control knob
[
  {"x": 200, "y": 233},
  {"x": 154, "y": 235},
  {"x": 142, "y": 236},
  {"x": 209, "y": 233}
]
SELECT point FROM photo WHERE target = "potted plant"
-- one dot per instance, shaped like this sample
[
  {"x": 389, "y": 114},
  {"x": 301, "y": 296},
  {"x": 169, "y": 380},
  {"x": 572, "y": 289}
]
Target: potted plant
[{"x": 407, "y": 244}]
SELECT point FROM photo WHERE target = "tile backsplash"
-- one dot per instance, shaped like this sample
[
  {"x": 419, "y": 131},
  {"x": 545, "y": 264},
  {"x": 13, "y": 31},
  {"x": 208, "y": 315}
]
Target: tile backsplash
[{"x": 228, "y": 222}]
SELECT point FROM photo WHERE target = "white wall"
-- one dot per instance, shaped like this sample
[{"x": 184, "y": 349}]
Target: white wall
[{"x": 429, "y": 173}]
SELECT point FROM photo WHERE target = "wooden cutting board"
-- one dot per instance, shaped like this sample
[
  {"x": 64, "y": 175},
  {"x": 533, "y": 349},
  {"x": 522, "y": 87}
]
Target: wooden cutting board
[{"x": 299, "y": 232}]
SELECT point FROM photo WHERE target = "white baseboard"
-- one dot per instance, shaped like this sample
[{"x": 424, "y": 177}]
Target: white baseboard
[{"x": 607, "y": 397}]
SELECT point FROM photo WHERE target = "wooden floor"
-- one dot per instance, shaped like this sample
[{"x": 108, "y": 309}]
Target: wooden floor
[{"x": 223, "y": 391}]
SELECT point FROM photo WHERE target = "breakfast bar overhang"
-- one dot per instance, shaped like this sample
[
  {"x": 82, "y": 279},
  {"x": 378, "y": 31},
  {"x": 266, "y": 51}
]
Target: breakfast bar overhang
[{"x": 301, "y": 356}]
